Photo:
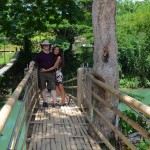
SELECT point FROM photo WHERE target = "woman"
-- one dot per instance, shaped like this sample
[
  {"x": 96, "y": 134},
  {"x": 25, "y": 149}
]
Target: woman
[{"x": 59, "y": 76}]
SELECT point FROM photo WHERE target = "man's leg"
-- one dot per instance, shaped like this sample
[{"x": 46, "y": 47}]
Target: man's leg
[
  {"x": 43, "y": 95},
  {"x": 54, "y": 96}
]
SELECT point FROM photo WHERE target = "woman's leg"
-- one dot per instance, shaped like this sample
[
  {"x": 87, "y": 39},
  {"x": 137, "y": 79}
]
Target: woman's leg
[
  {"x": 57, "y": 90},
  {"x": 67, "y": 98},
  {"x": 62, "y": 93}
]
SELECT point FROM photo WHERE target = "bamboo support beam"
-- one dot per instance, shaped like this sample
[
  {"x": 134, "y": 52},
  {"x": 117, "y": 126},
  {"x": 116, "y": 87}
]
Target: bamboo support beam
[
  {"x": 29, "y": 120},
  {"x": 70, "y": 87},
  {"x": 124, "y": 117},
  {"x": 125, "y": 140},
  {"x": 7, "y": 108},
  {"x": 74, "y": 79},
  {"x": 73, "y": 97},
  {"x": 125, "y": 98}
]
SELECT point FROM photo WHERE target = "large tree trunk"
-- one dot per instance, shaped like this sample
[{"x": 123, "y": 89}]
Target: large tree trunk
[{"x": 105, "y": 58}]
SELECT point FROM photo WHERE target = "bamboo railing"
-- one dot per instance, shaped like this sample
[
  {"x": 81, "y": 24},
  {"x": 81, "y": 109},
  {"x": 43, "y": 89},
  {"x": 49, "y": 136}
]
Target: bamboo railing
[
  {"x": 85, "y": 97},
  {"x": 81, "y": 90},
  {"x": 27, "y": 92}
]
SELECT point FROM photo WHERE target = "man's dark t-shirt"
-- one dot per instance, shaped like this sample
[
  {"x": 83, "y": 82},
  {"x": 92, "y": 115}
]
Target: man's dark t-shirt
[{"x": 44, "y": 60}]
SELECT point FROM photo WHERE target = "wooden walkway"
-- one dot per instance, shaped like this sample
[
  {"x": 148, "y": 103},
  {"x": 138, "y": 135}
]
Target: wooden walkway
[{"x": 60, "y": 128}]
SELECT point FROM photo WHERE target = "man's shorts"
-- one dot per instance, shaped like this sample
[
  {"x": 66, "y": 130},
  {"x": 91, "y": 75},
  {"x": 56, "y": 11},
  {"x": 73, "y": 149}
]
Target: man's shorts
[{"x": 47, "y": 79}]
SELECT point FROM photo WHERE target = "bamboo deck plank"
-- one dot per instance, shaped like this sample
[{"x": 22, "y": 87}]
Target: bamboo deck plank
[
  {"x": 43, "y": 140},
  {"x": 37, "y": 118},
  {"x": 69, "y": 129},
  {"x": 39, "y": 132},
  {"x": 53, "y": 144},
  {"x": 66, "y": 131},
  {"x": 61, "y": 128},
  {"x": 78, "y": 141},
  {"x": 33, "y": 135}
]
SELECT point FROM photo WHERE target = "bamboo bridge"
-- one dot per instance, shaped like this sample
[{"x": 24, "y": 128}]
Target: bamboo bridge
[{"x": 68, "y": 127}]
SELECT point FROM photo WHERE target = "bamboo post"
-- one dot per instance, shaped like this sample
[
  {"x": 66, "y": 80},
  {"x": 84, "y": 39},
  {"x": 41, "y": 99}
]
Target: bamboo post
[
  {"x": 35, "y": 78},
  {"x": 80, "y": 76},
  {"x": 88, "y": 91},
  {"x": 25, "y": 71}
]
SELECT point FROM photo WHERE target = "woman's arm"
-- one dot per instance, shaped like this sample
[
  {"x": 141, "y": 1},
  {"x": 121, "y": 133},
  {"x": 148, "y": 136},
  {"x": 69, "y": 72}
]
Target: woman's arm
[{"x": 52, "y": 68}]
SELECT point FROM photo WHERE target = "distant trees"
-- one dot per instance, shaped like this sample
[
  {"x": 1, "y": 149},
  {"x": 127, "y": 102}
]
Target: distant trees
[
  {"x": 61, "y": 21},
  {"x": 133, "y": 28},
  {"x": 24, "y": 19}
]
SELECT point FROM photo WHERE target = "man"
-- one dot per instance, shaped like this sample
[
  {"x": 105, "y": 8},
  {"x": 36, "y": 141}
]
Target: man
[{"x": 44, "y": 59}]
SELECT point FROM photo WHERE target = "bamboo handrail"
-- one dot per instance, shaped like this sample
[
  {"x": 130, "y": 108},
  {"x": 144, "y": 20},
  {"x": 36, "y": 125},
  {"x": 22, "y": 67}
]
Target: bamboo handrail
[
  {"x": 125, "y": 140},
  {"x": 7, "y": 108},
  {"x": 73, "y": 79},
  {"x": 70, "y": 87},
  {"x": 125, "y": 98},
  {"x": 20, "y": 117},
  {"x": 100, "y": 135},
  {"x": 124, "y": 117}
]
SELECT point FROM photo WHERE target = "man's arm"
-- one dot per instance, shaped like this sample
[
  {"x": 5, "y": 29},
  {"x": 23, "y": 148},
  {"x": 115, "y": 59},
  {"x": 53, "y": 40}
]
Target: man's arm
[
  {"x": 32, "y": 63},
  {"x": 55, "y": 65}
]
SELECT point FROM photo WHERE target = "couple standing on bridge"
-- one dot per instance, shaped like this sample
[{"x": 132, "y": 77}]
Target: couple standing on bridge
[{"x": 49, "y": 62}]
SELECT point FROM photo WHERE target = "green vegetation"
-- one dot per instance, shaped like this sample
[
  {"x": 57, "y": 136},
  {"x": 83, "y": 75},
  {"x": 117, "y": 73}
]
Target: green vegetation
[
  {"x": 5, "y": 59},
  {"x": 143, "y": 96},
  {"x": 133, "y": 28},
  {"x": 7, "y": 51},
  {"x": 126, "y": 129},
  {"x": 64, "y": 22}
]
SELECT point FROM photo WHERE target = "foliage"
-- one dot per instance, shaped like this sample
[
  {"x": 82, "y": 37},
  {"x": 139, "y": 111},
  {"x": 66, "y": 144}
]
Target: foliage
[
  {"x": 124, "y": 126},
  {"x": 24, "y": 22},
  {"x": 129, "y": 82},
  {"x": 63, "y": 21},
  {"x": 1, "y": 77},
  {"x": 1, "y": 103},
  {"x": 5, "y": 59},
  {"x": 14, "y": 75},
  {"x": 133, "y": 27},
  {"x": 143, "y": 145},
  {"x": 127, "y": 129}
]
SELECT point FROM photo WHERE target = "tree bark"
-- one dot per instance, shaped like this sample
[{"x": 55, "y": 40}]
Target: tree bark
[{"x": 105, "y": 58}]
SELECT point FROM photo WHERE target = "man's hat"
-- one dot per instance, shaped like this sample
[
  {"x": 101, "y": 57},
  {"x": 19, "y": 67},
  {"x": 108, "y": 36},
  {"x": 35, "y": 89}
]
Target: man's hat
[{"x": 45, "y": 42}]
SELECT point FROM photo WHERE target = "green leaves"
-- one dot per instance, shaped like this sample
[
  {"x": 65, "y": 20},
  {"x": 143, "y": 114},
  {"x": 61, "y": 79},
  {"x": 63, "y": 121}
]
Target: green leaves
[{"x": 133, "y": 29}]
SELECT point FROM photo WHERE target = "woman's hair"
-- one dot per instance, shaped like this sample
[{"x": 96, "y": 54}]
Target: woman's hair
[{"x": 56, "y": 56}]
